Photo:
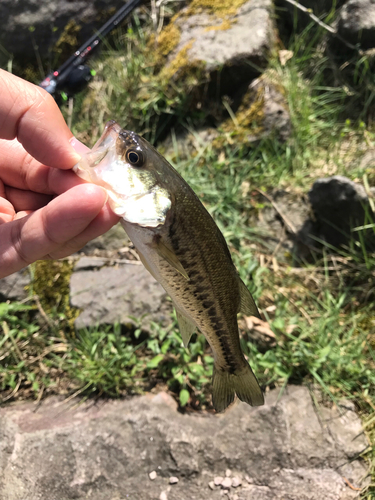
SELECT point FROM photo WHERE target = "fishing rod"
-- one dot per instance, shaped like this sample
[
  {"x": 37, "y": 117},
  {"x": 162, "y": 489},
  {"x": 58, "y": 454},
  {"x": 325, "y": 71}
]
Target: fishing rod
[{"x": 74, "y": 74}]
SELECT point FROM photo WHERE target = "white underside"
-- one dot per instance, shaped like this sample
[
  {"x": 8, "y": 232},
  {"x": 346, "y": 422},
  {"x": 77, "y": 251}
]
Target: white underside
[{"x": 142, "y": 240}]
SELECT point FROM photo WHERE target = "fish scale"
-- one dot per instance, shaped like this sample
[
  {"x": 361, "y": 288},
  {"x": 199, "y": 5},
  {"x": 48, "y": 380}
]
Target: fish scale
[
  {"x": 217, "y": 292},
  {"x": 206, "y": 296},
  {"x": 182, "y": 247}
]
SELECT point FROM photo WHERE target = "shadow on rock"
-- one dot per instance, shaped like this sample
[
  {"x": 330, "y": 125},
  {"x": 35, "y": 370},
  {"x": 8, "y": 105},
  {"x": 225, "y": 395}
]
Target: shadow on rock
[{"x": 339, "y": 209}]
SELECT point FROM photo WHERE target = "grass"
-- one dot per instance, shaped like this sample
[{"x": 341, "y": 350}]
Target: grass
[{"x": 322, "y": 314}]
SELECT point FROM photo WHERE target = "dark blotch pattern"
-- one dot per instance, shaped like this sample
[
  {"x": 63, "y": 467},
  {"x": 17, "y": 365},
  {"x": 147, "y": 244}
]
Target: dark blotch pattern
[
  {"x": 197, "y": 290},
  {"x": 203, "y": 296},
  {"x": 194, "y": 273}
]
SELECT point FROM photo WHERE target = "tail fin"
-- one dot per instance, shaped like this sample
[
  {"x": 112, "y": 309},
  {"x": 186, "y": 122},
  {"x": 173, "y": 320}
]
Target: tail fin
[{"x": 242, "y": 382}]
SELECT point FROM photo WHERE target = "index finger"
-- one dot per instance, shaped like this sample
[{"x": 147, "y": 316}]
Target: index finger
[
  {"x": 20, "y": 170},
  {"x": 30, "y": 114}
]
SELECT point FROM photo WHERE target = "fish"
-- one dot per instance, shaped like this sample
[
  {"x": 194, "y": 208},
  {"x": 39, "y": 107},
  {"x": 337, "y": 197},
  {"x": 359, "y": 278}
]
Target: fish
[{"x": 180, "y": 244}]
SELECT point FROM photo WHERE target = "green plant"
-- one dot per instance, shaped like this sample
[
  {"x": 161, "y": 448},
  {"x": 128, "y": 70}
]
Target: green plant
[
  {"x": 186, "y": 371},
  {"x": 106, "y": 361}
]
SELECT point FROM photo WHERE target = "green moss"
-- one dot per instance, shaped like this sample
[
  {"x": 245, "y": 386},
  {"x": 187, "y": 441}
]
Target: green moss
[
  {"x": 30, "y": 73},
  {"x": 250, "y": 114},
  {"x": 68, "y": 40},
  {"x": 248, "y": 120},
  {"x": 163, "y": 44},
  {"x": 368, "y": 325},
  {"x": 183, "y": 68},
  {"x": 51, "y": 282},
  {"x": 247, "y": 123},
  {"x": 221, "y": 8},
  {"x": 225, "y": 25},
  {"x": 168, "y": 39}
]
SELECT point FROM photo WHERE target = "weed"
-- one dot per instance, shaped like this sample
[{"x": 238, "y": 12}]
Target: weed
[{"x": 105, "y": 361}]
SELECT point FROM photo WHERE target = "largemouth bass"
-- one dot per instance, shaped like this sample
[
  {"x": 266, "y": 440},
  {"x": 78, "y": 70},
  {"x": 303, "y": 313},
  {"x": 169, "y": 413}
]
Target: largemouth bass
[{"x": 182, "y": 247}]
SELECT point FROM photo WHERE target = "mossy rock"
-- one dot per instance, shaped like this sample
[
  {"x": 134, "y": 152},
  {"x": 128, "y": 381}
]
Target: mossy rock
[
  {"x": 228, "y": 42},
  {"x": 262, "y": 112}
]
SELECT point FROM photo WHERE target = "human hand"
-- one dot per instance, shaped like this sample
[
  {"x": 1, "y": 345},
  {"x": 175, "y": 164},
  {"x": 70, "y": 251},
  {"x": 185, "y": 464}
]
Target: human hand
[{"x": 46, "y": 211}]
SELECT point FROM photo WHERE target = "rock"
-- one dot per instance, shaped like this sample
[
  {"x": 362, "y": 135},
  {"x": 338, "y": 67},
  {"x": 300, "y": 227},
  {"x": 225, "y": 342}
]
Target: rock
[
  {"x": 89, "y": 263},
  {"x": 226, "y": 483},
  {"x": 173, "y": 480},
  {"x": 236, "y": 482},
  {"x": 218, "y": 480},
  {"x": 368, "y": 160},
  {"x": 211, "y": 485},
  {"x": 102, "y": 449},
  {"x": 228, "y": 473},
  {"x": 113, "y": 294},
  {"x": 13, "y": 287},
  {"x": 338, "y": 205},
  {"x": 42, "y": 22},
  {"x": 281, "y": 221},
  {"x": 228, "y": 42},
  {"x": 153, "y": 475},
  {"x": 106, "y": 244},
  {"x": 275, "y": 114},
  {"x": 261, "y": 112},
  {"x": 356, "y": 23},
  {"x": 163, "y": 399}
]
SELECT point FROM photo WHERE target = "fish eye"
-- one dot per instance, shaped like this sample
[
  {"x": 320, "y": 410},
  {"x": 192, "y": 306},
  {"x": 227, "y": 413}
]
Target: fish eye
[{"x": 135, "y": 158}]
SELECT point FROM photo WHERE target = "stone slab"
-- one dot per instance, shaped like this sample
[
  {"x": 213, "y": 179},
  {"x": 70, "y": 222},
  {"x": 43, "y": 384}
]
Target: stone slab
[
  {"x": 105, "y": 450},
  {"x": 118, "y": 295}
]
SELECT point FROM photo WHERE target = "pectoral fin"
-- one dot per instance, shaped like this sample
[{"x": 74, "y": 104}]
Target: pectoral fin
[
  {"x": 187, "y": 328},
  {"x": 247, "y": 305},
  {"x": 172, "y": 259}
]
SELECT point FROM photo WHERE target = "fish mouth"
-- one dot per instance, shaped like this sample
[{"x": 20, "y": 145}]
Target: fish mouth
[
  {"x": 109, "y": 136},
  {"x": 106, "y": 142},
  {"x": 82, "y": 172},
  {"x": 84, "y": 169}
]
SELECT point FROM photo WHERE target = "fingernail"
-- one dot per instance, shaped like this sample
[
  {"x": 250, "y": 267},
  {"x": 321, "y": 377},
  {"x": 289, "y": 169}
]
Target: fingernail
[{"x": 78, "y": 146}]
